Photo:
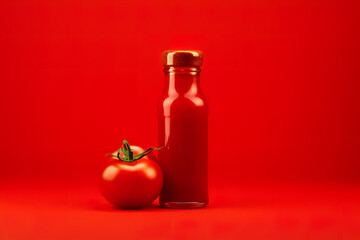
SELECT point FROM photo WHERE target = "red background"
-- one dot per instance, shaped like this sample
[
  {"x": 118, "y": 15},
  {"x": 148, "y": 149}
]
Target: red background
[{"x": 281, "y": 77}]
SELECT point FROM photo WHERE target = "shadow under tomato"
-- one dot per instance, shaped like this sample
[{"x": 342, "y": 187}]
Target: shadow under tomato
[
  {"x": 151, "y": 208},
  {"x": 111, "y": 208}
]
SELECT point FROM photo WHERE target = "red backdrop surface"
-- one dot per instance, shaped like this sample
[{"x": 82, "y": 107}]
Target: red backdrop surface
[{"x": 281, "y": 77}]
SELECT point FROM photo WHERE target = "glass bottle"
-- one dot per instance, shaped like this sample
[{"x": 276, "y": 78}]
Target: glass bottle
[{"x": 183, "y": 130}]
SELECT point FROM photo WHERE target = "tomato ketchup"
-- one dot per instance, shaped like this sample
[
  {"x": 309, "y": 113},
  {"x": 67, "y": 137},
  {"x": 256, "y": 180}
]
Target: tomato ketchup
[{"x": 183, "y": 131}]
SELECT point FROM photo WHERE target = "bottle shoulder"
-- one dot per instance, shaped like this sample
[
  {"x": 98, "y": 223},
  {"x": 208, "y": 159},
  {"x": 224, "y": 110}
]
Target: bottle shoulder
[{"x": 183, "y": 100}]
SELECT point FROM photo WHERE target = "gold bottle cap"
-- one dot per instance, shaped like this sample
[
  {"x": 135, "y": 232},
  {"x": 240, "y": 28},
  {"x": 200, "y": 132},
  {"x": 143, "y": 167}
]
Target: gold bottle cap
[{"x": 182, "y": 58}]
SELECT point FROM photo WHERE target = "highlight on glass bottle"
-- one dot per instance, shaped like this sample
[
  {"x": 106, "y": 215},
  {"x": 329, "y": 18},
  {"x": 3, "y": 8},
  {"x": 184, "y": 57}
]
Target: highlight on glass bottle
[{"x": 183, "y": 130}]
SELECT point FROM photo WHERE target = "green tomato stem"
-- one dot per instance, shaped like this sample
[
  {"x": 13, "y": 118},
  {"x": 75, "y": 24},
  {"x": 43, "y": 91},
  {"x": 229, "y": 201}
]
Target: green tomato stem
[{"x": 129, "y": 154}]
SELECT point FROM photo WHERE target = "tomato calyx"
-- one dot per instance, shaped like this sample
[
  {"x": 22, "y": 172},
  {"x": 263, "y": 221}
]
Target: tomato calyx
[{"x": 128, "y": 153}]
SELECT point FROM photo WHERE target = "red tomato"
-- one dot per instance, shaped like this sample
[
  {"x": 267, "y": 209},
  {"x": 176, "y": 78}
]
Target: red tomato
[{"x": 131, "y": 183}]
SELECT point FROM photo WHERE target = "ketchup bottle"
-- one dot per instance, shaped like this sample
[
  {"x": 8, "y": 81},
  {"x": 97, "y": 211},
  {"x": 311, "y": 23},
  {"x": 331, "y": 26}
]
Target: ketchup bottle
[{"x": 183, "y": 131}]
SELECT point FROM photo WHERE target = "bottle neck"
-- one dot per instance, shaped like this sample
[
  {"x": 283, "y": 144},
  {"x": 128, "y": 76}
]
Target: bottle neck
[{"x": 182, "y": 80}]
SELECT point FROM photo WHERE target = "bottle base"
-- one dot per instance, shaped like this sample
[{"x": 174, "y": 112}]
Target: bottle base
[{"x": 184, "y": 205}]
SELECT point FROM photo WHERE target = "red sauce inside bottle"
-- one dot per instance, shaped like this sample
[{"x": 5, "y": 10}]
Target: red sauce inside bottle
[{"x": 183, "y": 130}]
